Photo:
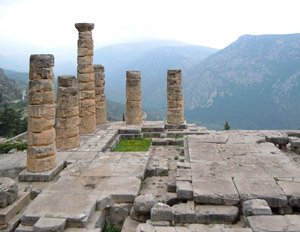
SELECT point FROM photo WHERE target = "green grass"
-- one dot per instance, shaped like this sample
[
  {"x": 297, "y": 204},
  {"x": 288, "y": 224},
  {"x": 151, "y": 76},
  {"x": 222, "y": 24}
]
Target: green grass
[
  {"x": 111, "y": 228},
  {"x": 126, "y": 145},
  {"x": 6, "y": 147}
]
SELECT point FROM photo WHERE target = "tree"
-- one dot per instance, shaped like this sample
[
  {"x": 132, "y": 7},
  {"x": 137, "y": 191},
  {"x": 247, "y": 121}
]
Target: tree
[
  {"x": 12, "y": 122},
  {"x": 226, "y": 126}
]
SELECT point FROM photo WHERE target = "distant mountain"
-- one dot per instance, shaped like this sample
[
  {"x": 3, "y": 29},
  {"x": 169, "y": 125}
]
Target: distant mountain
[
  {"x": 254, "y": 83},
  {"x": 20, "y": 77},
  {"x": 153, "y": 59},
  {"x": 10, "y": 90}
]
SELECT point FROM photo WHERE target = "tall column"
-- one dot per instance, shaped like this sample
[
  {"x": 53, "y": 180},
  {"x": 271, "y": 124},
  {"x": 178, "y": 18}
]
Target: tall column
[
  {"x": 41, "y": 151},
  {"x": 67, "y": 123},
  {"x": 133, "y": 98},
  {"x": 175, "y": 106},
  {"x": 99, "y": 94},
  {"x": 86, "y": 78}
]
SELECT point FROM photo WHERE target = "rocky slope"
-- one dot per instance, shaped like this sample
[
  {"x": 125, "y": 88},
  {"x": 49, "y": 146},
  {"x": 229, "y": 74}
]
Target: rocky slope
[
  {"x": 254, "y": 83},
  {"x": 10, "y": 90}
]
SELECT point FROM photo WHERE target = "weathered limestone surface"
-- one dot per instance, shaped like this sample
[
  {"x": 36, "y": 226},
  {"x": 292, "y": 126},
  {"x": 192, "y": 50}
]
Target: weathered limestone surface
[
  {"x": 175, "y": 105},
  {"x": 67, "y": 127},
  {"x": 161, "y": 212},
  {"x": 41, "y": 151},
  {"x": 133, "y": 98},
  {"x": 8, "y": 191},
  {"x": 274, "y": 223},
  {"x": 86, "y": 78},
  {"x": 100, "y": 100},
  {"x": 219, "y": 214},
  {"x": 256, "y": 207}
]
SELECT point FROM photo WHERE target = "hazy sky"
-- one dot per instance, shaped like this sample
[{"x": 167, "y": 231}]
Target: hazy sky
[{"x": 214, "y": 23}]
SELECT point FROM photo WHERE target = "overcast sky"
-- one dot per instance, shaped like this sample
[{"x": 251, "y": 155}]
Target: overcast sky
[{"x": 214, "y": 23}]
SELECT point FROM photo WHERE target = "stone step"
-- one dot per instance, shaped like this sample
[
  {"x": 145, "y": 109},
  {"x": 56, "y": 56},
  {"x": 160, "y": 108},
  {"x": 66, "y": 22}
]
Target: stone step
[
  {"x": 216, "y": 214},
  {"x": 167, "y": 141},
  {"x": 274, "y": 223},
  {"x": 153, "y": 129},
  {"x": 50, "y": 224},
  {"x": 146, "y": 227},
  {"x": 151, "y": 134},
  {"x": 21, "y": 228},
  {"x": 184, "y": 213},
  {"x": 8, "y": 212}
]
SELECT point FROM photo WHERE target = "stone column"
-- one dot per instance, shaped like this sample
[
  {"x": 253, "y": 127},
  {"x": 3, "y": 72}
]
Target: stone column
[
  {"x": 67, "y": 123},
  {"x": 41, "y": 151},
  {"x": 175, "y": 107},
  {"x": 99, "y": 94},
  {"x": 133, "y": 98},
  {"x": 86, "y": 78}
]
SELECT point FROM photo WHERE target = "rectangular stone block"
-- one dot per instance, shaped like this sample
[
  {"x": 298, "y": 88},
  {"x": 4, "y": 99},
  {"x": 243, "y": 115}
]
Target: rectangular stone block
[
  {"x": 264, "y": 188},
  {"x": 184, "y": 190},
  {"x": 213, "y": 214},
  {"x": 292, "y": 191},
  {"x": 215, "y": 191},
  {"x": 8, "y": 212},
  {"x": 41, "y": 111},
  {"x": 184, "y": 213}
]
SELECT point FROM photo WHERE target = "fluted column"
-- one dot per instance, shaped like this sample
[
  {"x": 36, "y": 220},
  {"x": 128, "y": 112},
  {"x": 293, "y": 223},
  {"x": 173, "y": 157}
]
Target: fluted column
[
  {"x": 99, "y": 94},
  {"x": 86, "y": 78},
  {"x": 41, "y": 151},
  {"x": 67, "y": 125},
  {"x": 175, "y": 104},
  {"x": 133, "y": 98}
]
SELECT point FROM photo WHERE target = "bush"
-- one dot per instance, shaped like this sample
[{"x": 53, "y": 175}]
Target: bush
[
  {"x": 226, "y": 126},
  {"x": 6, "y": 147}
]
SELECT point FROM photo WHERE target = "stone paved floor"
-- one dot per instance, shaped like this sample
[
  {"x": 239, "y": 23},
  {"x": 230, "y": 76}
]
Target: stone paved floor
[{"x": 218, "y": 169}]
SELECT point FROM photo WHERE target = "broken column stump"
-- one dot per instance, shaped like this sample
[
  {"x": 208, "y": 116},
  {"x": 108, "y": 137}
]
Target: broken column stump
[
  {"x": 133, "y": 98},
  {"x": 67, "y": 127},
  {"x": 100, "y": 100},
  {"x": 41, "y": 151},
  {"x": 86, "y": 78}
]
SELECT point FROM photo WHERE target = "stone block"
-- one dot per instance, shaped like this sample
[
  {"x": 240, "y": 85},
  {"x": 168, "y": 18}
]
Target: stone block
[
  {"x": 118, "y": 213},
  {"x": 143, "y": 203},
  {"x": 161, "y": 212},
  {"x": 256, "y": 207},
  {"x": 264, "y": 188},
  {"x": 292, "y": 191},
  {"x": 184, "y": 213},
  {"x": 215, "y": 191},
  {"x": 145, "y": 227},
  {"x": 184, "y": 190},
  {"x": 8, "y": 212},
  {"x": 46, "y": 176},
  {"x": 273, "y": 223},
  {"x": 8, "y": 191},
  {"x": 129, "y": 225},
  {"x": 49, "y": 225},
  {"x": 216, "y": 214}
]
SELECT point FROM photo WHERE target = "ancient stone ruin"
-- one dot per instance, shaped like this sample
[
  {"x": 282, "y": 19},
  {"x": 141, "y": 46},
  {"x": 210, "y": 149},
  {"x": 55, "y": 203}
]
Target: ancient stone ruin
[
  {"x": 133, "y": 98},
  {"x": 86, "y": 78},
  {"x": 41, "y": 151},
  {"x": 67, "y": 123},
  {"x": 99, "y": 94},
  {"x": 175, "y": 104},
  {"x": 191, "y": 178}
]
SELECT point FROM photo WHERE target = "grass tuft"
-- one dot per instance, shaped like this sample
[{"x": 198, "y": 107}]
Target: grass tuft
[{"x": 126, "y": 145}]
